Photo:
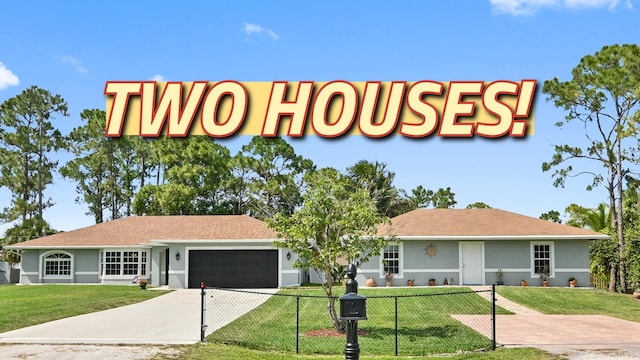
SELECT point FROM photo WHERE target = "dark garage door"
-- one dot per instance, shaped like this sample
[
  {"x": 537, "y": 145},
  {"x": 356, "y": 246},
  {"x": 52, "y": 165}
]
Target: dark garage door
[{"x": 234, "y": 268}]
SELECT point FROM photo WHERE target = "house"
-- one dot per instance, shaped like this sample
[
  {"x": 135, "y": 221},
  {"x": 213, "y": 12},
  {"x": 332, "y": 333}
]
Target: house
[
  {"x": 178, "y": 251},
  {"x": 463, "y": 246},
  {"x": 470, "y": 247}
]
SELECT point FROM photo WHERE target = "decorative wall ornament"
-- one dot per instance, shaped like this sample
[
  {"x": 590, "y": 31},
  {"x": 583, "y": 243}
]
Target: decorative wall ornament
[{"x": 431, "y": 250}]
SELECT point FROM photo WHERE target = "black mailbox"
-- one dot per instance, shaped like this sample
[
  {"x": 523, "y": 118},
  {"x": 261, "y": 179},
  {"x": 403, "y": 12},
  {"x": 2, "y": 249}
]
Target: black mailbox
[{"x": 353, "y": 307}]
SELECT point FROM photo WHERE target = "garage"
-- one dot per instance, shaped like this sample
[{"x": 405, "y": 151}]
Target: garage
[{"x": 233, "y": 268}]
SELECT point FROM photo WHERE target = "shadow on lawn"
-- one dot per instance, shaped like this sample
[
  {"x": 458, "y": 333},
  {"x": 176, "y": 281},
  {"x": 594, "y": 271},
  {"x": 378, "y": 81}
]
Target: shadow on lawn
[{"x": 445, "y": 331}]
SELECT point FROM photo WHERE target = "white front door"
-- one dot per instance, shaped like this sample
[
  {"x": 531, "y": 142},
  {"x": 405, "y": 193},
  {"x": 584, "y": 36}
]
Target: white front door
[{"x": 471, "y": 256}]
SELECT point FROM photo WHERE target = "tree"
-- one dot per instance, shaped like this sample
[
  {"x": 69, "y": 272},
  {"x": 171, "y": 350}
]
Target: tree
[
  {"x": 378, "y": 181},
  {"x": 551, "y": 215},
  {"x": 108, "y": 171},
  {"x": 31, "y": 228},
  {"x": 440, "y": 199},
  {"x": 602, "y": 253},
  {"x": 165, "y": 199},
  {"x": 202, "y": 165},
  {"x": 195, "y": 171},
  {"x": 443, "y": 199},
  {"x": 478, "y": 205},
  {"x": 598, "y": 219},
  {"x": 26, "y": 139},
  {"x": 272, "y": 179},
  {"x": 90, "y": 166},
  {"x": 334, "y": 223},
  {"x": 602, "y": 96}
]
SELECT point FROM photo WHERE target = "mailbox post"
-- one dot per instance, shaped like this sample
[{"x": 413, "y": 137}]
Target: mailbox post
[{"x": 353, "y": 307}]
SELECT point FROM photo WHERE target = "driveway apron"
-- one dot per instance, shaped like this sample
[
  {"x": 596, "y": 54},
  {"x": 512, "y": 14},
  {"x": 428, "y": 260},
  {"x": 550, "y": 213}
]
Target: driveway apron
[
  {"x": 557, "y": 333},
  {"x": 173, "y": 318}
]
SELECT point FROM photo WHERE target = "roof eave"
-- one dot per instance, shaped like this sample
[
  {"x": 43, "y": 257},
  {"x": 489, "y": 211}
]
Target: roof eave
[
  {"x": 36, "y": 247},
  {"x": 505, "y": 237},
  {"x": 207, "y": 241}
]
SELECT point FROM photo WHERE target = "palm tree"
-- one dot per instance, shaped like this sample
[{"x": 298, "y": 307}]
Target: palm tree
[{"x": 603, "y": 253}]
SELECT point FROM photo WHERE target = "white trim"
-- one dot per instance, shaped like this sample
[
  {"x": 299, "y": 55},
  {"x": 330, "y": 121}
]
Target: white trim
[
  {"x": 87, "y": 273},
  {"x": 30, "y": 273},
  {"x": 482, "y": 255},
  {"x": 280, "y": 259},
  {"x": 187, "y": 250},
  {"x": 400, "y": 274},
  {"x": 508, "y": 270},
  {"x": 552, "y": 258},
  {"x": 177, "y": 272},
  {"x": 121, "y": 250},
  {"x": 196, "y": 242},
  {"x": 368, "y": 271},
  {"x": 76, "y": 247},
  {"x": 290, "y": 271},
  {"x": 528, "y": 270},
  {"x": 256, "y": 247},
  {"x": 432, "y": 270},
  {"x": 41, "y": 268},
  {"x": 504, "y": 237},
  {"x": 573, "y": 270}
]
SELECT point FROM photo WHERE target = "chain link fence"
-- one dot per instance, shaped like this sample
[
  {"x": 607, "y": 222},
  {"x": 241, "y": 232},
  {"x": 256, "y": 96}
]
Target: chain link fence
[{"x": 407, "y": 321}]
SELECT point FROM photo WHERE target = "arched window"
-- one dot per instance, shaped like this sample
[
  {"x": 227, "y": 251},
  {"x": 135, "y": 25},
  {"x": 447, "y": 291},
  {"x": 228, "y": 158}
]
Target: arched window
[{"x": 57, "y": 265}]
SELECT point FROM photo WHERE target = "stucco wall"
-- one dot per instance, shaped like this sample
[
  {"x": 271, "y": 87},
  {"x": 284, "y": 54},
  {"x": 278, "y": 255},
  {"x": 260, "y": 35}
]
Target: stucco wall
[
  {"x": 5, "y": 273},
  {"x": 572, "y": 254},
  {"x": 29, "y": 267},
  {"x": 507, "y": 254},
  {"x": 444, "y": 255}
]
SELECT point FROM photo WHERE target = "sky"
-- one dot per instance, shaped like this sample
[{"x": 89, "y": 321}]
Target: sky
[{"x": 73, "y": 49}]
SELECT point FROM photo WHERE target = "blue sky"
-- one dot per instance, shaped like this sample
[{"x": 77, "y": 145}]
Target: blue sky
[{"x": 74, "y": 49}]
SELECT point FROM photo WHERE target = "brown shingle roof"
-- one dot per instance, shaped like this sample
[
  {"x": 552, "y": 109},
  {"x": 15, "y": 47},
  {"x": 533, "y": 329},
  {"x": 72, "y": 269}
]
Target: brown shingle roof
[
  {"x": 136, "y": 230},
  {"x": 477, "y": 223}
]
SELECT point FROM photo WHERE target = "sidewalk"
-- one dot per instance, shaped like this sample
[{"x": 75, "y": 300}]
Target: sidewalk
[{"x": 504, "y": 302}]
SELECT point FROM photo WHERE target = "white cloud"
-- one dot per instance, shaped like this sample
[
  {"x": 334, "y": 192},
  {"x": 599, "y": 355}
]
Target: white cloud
[
  {"x": 158, "y": 78},
  {"x": 68, "y": 59},
  {"x": 251, "y": 29},
  {"x": 529, "y": 7},
  {"x": 7, "y": 77}
]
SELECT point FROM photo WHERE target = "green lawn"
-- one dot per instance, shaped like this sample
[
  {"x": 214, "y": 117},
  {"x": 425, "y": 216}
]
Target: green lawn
[
  {"x": 424, "y": 323},
  {"x": 230, "y": 352},
  {"x": 574, "y": 301},
  {"x": 28, "y": 305}
]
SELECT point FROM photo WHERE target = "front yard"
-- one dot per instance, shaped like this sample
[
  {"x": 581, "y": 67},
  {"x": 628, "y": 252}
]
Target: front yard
[
  {"x": 29, "y": 305},
  {"x": 424, "y": 322},
  {"x": 574, "y": 301}
]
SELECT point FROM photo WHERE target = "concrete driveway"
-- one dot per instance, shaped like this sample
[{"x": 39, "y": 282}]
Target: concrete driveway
[
  {"x": 574, "y": 336},
  {"x": 173, "y": 318}
]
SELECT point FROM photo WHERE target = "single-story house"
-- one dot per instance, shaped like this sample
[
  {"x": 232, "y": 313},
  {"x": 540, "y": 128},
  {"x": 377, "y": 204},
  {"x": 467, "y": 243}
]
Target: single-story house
[
  {"x": 472, "y": 246},
  {"x": 454, "y": 246},
  {"x": 178, "y": 251}
]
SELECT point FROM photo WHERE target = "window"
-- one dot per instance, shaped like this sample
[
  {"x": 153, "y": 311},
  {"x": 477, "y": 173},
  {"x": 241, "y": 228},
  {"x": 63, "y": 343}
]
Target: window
[
  {"x": 124, "y": 263},
  {"x": 57, "y": 265},
  {"x": 391, "y": 259},
  {"x": 542, "y": 258}
]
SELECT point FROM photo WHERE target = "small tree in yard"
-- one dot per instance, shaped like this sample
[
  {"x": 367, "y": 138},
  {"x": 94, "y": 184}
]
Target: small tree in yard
[{"x": 334, "y": 223}]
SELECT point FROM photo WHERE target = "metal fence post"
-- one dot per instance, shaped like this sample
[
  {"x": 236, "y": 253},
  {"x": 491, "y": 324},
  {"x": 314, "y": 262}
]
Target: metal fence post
[
  {"x": 298, "y": 324},
  {"x": 396, "y": 325},
  {"x": 493, "y": 315},
  {"x": 203, "y": 310}
]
